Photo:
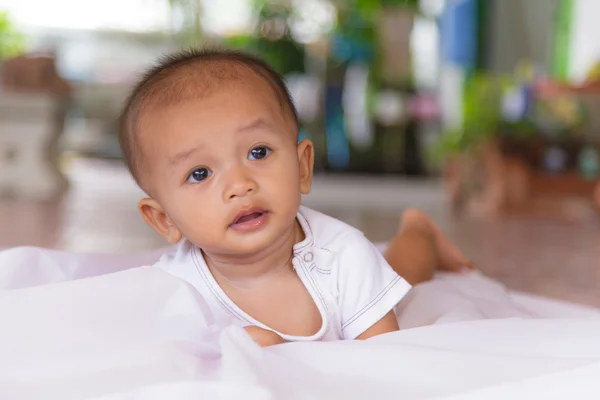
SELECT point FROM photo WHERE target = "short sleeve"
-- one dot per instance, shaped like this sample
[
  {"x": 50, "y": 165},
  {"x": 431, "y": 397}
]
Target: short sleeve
[{"x": 368, "y": 287}]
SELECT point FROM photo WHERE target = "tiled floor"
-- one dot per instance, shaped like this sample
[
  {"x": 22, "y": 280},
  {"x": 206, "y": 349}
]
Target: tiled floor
[{"x": 551, "y": 258}]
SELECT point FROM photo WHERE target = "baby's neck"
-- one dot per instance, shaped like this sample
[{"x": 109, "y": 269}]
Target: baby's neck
[{"x": 248, "y": 269}]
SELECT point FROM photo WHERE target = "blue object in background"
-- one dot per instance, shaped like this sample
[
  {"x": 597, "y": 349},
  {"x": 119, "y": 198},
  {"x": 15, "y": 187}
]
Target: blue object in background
[
  {"x": 338, "y": 148},
  {"x": 349, "y": 45},
  {"x": 589, "y": 163},
  {"x": 345, "y": 49},
  {"x": 459, "y": 33},
  {"x": 353, "y": 41},
  {"x": 302, "y": 134},
  {"x": 555, "y": 160},
  {"x": 517, "y": 103}
]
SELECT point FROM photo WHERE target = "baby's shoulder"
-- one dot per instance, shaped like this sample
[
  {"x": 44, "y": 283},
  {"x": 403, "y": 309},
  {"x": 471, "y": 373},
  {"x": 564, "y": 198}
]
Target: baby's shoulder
[
  {"x": 329, "y": 233},
  {"x": 177, "y": 259}
]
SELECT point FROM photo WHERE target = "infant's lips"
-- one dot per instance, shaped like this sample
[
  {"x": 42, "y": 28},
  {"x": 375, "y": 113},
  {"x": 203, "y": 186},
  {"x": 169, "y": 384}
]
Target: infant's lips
[
  {"x": 250, "y": 221},
  {"x": 248, "y": 215}
]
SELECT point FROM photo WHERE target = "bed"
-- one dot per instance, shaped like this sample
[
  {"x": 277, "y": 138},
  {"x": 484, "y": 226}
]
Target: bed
[{"x": 96, "y": 326}]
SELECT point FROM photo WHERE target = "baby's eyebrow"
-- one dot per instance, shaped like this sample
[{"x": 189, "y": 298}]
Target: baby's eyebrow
[
  {"x": 182, "y": 156},
  {"x": 259, "y": 123}
]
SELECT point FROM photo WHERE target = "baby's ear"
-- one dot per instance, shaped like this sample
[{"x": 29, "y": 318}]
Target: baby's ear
[
  {"x": 306, "y": 161},
  {"x": 155, "y": 216}
]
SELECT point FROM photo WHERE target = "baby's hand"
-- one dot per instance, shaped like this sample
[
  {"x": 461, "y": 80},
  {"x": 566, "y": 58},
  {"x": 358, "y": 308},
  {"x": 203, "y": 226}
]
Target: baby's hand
[{"x": 263, "y": 337}]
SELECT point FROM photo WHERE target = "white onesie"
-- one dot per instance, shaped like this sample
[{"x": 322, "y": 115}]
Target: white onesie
[{"x": 346, "y": 275}]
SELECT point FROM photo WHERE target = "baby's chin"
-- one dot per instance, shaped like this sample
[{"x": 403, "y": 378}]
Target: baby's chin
[
  {"x": 247, "y": 244},
  {"x": 240, "y": 246}
]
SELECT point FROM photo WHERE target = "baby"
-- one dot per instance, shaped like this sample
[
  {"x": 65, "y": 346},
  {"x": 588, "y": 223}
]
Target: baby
[{"x": 212, "y": 138}]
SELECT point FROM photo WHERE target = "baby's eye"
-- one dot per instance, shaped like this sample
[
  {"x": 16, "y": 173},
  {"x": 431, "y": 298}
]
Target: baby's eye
[
  {"x": 258, "y": 153},
  {"x": 198, "y": 175}
]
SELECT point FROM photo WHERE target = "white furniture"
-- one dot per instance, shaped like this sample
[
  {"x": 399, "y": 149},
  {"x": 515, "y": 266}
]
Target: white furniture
[{"x": 30, "y": 126}]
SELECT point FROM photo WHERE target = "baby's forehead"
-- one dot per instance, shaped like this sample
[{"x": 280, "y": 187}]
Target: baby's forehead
[
  {"x": 193, "y": 85},
  {"x": 174, "y": 87}
]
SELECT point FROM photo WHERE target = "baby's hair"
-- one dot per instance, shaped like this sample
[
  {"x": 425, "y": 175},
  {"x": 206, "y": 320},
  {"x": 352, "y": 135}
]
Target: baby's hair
[{"x": 188, "y": 75}]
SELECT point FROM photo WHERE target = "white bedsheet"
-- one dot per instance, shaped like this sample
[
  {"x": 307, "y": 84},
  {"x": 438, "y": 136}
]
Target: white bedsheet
[{"x": 98, "y": 327}]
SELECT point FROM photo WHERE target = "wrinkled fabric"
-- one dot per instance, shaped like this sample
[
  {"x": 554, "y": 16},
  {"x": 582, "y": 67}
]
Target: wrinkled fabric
[{"x": 101, "y": 327}]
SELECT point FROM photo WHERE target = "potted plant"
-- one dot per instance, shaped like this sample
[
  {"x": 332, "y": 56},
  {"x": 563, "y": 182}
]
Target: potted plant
[{"x": 472, "y": 155}]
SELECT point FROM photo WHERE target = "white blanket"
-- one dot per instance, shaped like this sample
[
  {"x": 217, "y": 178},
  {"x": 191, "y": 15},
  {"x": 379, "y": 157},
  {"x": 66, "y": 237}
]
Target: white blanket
[{"x": 95, "y": 327}]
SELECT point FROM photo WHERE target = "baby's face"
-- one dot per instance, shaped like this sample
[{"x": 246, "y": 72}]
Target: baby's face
[{"x": 226, "y": 171}]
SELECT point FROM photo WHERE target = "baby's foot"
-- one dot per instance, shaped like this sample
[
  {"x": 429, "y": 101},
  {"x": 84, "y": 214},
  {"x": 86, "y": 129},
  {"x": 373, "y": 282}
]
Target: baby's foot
[{"x": 449, "y": 256}]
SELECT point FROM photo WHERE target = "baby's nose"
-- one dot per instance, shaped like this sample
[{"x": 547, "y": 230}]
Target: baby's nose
[{"x": 240, "y": 184}]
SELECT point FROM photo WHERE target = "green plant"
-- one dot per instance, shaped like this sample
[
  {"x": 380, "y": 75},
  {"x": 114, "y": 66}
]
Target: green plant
[
  {"x": 369, "y": 8},
  {"x": 12, "y": 42},
  {"x": 272, "y": 40},
  {"x": 281, "y": 52},
  {"x": 482, "y": 116}
]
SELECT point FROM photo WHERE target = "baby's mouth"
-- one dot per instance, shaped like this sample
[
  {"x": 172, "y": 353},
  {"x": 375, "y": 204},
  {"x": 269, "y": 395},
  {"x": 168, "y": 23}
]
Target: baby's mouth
[{"x": 248, "y": 216}]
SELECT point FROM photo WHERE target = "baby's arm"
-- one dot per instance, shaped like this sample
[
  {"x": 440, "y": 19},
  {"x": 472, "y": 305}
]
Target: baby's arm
[
  {"x": 389, "y": 323},
  {"x": 264, "y": 337},
  {"x": 367, "y": 288}
]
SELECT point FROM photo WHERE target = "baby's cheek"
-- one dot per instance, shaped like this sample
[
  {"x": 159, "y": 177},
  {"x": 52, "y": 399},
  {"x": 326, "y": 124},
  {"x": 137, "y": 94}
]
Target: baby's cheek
[{"x": 202, "y": 227}]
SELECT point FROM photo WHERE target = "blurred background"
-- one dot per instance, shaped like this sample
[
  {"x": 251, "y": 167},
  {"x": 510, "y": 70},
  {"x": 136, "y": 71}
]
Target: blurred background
[{"x": 484, "y": 113}]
